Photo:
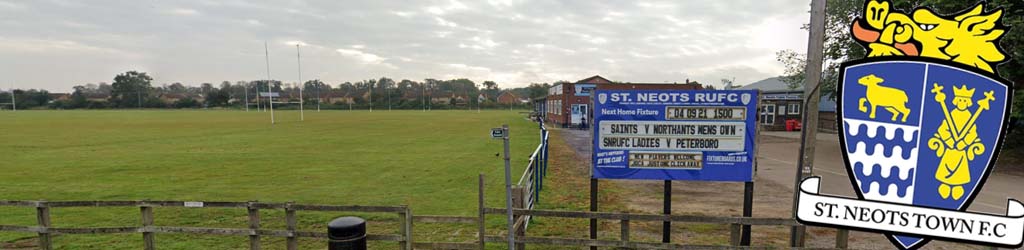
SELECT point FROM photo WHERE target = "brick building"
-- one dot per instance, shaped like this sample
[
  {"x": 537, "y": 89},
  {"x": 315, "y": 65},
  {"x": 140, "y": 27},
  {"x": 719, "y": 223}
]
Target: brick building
[
  {"x": 508, "y": 97},
  {"x": 569, "y": 104},
  {"x": 779, "y": 104}
]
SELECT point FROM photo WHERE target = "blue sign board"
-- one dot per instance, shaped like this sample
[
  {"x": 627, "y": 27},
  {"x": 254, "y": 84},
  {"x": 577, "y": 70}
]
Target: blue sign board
[{"x": 702, "y": 135}]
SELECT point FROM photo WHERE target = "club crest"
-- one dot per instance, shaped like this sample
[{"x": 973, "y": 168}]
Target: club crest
[{"x": 921, "y": 127}]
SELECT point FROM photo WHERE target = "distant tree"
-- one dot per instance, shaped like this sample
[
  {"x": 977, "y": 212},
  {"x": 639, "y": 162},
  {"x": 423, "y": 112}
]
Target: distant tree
[
  {"x": 538, "y": 90},
  {"x": 726, "y": 84},
  {"x": 709, "y": 87},
  {"x": 32, "y": 98},
  {"x": 217, "y": 97},
  {"x": 78, "y": 99},
  {"x": 130, "y": 89},
  {"x": 186, "y": 102},
  {"x": 177, "y": 88}
]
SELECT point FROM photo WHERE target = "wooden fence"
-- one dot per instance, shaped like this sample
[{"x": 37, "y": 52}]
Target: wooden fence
[
  {"x": 147, "y": 229},
  {"x": 406, "y": 221}
]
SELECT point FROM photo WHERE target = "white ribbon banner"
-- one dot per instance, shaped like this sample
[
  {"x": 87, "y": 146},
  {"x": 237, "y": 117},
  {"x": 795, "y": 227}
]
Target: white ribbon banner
[{"x": 825, "y": 210}]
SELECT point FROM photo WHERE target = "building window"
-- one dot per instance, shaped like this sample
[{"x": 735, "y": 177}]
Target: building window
[
  {"x": 768, "y": 114},
  {"x": 794, "y": 108},
  {"x": 782, "y": 109}
]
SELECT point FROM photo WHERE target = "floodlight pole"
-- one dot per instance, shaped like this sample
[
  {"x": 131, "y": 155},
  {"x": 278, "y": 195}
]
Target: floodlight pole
[
  {"x": 245, "y": 89},
  {"x": 270, "y": 86},
  {"x": 298, "y": 60}
]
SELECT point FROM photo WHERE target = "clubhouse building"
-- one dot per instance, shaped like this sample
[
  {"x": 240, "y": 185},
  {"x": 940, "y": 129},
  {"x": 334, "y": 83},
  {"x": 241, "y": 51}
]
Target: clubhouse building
[{"x": 569, "y": 104}]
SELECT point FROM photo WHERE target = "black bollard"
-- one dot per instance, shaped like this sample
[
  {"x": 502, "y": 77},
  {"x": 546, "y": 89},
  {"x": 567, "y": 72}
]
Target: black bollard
[{"x": 347, "y": 233}]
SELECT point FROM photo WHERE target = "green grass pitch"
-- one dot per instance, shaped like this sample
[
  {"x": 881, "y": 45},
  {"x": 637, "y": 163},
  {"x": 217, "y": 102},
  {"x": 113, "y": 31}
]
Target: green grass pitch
[{"x": 427, "y": 160}]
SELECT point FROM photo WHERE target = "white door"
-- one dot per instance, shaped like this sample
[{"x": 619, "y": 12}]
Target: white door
[{"x": 578, "y": 110}]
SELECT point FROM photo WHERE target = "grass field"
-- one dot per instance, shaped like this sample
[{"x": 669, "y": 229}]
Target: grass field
[{"x": 427, "y": 160}]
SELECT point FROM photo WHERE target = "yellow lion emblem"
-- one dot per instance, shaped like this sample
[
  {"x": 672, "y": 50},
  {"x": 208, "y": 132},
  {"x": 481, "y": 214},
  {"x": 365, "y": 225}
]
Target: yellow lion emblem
[{"x": 969, "y": 38}]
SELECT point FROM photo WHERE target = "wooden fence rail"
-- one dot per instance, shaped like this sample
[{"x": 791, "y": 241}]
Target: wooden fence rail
[
  {"x": 625, "y": 219},
  {"x": 46, "y": 230},
  {"x": 406, "y": 219}
]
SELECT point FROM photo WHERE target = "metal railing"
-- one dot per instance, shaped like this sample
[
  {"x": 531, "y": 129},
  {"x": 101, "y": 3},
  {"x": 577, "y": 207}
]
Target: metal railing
[{"x": 532, "y": 180}]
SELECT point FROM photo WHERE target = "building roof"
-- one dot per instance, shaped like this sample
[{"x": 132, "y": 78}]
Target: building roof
[
  {"x": 594, "y": 79},
  {"x": 774, "y": 84}
]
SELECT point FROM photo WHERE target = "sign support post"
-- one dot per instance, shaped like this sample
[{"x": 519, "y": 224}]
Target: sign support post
[
  {"x": 593, "y": 208},
  {"x": 666, "y": 226},
  {"x": 815, "y": 54},
  {"x": 748, "y": 211},
  {"x": 508, "y": 189}
]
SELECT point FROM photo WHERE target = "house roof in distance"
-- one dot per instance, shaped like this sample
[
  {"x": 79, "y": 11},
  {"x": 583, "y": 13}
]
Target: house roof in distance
[{"x": 774, "y": 84}]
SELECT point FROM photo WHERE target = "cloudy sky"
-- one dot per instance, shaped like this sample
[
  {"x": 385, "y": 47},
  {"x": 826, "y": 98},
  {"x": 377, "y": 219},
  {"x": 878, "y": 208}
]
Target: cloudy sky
[{"x": 56, "y": 44}]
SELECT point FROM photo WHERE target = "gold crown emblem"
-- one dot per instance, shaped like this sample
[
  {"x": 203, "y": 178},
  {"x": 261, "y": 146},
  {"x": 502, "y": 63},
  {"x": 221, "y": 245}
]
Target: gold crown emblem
[{"x": 963, "y": 91}]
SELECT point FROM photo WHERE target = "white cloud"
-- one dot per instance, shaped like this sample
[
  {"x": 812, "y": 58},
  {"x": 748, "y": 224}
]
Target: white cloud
[
  {"x": 511, "y": 41},
  {"x": 403, "y": 13},
  {"x": 452, "y": 6},
  {"x": 50, "y": 47},
  {"x": 5, "y": 5},
  {"x": 183, "y": 12},
  {"x": 446, "y": 23},
  {"x": 467, "y": 67},
  {"x": 364, "y": 57}
]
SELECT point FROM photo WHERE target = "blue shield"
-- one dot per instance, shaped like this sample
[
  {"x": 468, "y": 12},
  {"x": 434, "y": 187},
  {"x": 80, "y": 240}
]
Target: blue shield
[{"x": 920, "y": 132}]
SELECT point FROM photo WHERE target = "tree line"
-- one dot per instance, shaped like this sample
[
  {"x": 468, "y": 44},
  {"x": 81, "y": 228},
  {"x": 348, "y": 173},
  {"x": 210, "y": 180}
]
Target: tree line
[
  {"x": 840, "y": 47},
  {"x": 134, "y": 89}
]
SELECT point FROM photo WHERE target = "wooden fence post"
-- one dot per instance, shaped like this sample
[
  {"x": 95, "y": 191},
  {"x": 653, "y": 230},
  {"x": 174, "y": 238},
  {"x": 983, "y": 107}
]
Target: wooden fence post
[
  {"x": 254, "y": 225},
  {"x": 624, "y": 227},
  {"x": 842, "y": 238},
  {"x": 409, "y": 224},
  {"x": 482, "y": 216},
  {"x": 290, "y": 221},
  {"x": 147, "y": 223},
  {"x": 405, "y": 229},
  {"x": 519, "y": 202},
  {"x": 43, "y": 218},
  {"x": 735, "y": 234}
]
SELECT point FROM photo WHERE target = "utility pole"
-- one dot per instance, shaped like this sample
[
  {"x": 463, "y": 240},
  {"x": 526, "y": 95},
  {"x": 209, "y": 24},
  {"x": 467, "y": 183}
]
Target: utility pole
[
  {"x": 270, "y": 86},
  {"x": 808, "y": 137},
  {"x": 298, "y": 61}
]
